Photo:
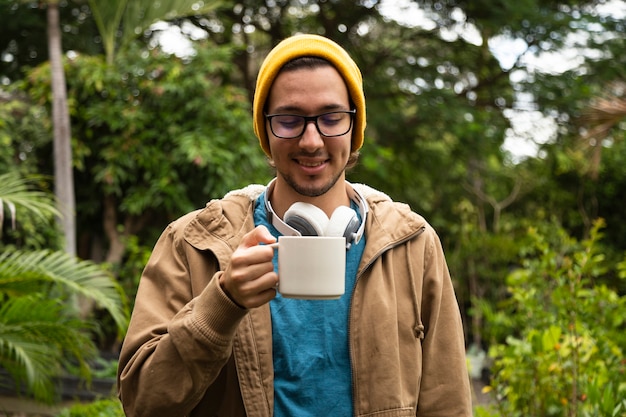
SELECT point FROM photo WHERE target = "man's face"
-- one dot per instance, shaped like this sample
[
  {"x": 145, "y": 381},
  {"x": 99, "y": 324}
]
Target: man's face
[{"x": 310, "y": 164}]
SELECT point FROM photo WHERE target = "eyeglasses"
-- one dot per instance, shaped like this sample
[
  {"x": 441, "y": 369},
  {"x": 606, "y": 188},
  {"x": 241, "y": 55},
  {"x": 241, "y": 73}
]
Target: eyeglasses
[{"x": 291, "y": 126}]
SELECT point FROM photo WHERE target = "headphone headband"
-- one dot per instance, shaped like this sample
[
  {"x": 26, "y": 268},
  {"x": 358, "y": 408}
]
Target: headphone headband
[{"x": 287, "y": 230}]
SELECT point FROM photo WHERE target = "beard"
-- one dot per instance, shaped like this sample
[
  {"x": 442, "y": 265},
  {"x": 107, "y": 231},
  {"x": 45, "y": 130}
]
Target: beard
[{"x": 309, "y": 190}]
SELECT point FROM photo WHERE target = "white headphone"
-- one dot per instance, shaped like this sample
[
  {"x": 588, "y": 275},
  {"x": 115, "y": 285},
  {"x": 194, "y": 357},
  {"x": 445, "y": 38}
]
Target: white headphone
[{"x": 304, "y": 219}]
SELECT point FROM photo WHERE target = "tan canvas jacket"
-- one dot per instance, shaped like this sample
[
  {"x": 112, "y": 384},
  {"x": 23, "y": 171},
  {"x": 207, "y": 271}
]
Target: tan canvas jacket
[{"x": 190, "y": 351}]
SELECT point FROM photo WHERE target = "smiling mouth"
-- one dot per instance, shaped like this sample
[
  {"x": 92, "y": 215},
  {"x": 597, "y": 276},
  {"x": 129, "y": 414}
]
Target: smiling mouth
[{"x": 310, "y": 164}]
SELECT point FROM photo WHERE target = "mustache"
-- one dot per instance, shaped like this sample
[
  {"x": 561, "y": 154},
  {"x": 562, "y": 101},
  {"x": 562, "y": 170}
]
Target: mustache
[{"x": 304, "y": 154}]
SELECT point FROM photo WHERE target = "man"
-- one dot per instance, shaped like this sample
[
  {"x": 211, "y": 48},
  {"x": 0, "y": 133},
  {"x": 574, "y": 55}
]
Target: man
[{"x": 211, "y": 336}]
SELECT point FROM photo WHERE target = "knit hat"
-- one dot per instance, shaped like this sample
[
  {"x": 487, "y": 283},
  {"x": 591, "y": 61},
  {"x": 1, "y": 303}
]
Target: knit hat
[{"x": 308, "y": 45}]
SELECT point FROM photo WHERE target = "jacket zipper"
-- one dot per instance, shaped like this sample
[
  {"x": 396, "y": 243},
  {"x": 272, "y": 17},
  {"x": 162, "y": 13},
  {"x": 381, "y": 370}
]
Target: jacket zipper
[{"x": 356, "y": 281}]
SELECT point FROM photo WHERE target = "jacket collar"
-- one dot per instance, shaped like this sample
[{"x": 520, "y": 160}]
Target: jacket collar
[{"x": 223, "y": 222}]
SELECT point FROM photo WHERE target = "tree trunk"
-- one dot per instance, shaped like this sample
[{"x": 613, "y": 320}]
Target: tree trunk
[
  {"x": 112, "y": 231},
  {"x": 63, "y": 169}
]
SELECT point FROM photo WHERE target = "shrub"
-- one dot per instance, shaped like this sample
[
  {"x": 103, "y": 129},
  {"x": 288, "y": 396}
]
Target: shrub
[
  {"x": 108, "y": 407},
  {"x": 564, "y": 355}
]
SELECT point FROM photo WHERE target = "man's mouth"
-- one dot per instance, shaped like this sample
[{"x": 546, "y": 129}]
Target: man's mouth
[{"x": 310, "y": 164}]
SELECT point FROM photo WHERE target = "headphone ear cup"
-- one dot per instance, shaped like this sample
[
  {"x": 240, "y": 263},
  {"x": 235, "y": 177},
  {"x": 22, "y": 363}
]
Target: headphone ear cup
[
  {"x": 307, "y": 219},
  {"x": 344, "y": 222}
]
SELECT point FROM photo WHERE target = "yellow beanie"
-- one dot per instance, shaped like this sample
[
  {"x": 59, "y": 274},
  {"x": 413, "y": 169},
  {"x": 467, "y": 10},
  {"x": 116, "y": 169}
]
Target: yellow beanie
[{"x": 308, "y": 45}]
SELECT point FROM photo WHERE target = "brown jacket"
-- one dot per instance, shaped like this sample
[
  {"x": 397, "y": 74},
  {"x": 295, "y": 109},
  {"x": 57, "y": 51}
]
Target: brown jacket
[{"x": 190, "y": 351}]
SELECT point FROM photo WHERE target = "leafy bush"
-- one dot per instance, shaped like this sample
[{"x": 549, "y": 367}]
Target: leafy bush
[
  {"x": 564, "y": 353},
  {"x": 109, "y": 407}
]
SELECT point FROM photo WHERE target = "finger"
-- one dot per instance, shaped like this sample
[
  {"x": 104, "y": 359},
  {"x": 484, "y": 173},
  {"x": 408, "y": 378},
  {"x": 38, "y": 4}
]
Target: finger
[
  {"x": 254, "y": 293},
  {"x": 249, "y": 264},
  {"x": 249, "y": 289},
  {"x": 258, "y": 235},
  {"x": 253, "y": 261},
  {"x": 261, "y": 298}
]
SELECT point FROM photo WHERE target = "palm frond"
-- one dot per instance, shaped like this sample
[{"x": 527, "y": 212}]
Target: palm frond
[
  {"x": 108, "y": 18},
  {"x": 28, "y": 270},
  {"x": 603, "y": 114},
  {"x": 37, "y": 340},
  {"x": 16, "y": 193},
  {"x": 605, "y": 111},
  {"x": 134, "y": 17}
]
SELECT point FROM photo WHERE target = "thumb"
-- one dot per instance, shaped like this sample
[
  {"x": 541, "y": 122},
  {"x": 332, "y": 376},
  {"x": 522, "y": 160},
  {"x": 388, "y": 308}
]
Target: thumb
[{"x": 259, "y": 234}]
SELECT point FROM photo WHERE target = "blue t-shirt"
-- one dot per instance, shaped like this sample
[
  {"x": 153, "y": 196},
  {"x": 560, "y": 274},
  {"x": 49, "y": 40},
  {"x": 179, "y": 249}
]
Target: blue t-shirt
[{"x": 312, "y": 373}]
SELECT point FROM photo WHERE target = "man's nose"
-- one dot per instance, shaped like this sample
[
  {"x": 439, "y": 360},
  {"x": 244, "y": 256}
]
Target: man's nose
[{"x": 311, "y": 137}]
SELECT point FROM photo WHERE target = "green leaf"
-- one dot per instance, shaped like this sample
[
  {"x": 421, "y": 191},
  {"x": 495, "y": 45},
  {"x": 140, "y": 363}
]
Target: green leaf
[{"x": 550, "y": 338}]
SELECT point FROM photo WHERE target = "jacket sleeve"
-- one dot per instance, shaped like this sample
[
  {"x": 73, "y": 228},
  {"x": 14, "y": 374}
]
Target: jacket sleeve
[
  {"x": 180, "y": 334},
  {"x": 445, "y": 389}
]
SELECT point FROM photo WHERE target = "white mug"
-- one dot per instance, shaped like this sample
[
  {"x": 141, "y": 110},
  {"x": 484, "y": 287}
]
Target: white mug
[{"x": 311, "y": 267}]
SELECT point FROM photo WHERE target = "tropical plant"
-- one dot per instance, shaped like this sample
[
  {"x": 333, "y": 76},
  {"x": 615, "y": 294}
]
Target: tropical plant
[
  {"x": 41, "y": 330},
  {"x": 15, "y": 193},
  {"x": 121, "y": 21}
]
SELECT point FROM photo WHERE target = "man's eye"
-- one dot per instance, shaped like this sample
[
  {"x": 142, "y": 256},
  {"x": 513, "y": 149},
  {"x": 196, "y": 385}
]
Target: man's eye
[
  {"x": 289, "y": 121},
  {"x": 331, "y": 118}
]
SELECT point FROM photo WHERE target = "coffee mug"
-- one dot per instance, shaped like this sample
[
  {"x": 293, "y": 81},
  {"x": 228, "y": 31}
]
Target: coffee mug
[{"x": 311, "y": 267}]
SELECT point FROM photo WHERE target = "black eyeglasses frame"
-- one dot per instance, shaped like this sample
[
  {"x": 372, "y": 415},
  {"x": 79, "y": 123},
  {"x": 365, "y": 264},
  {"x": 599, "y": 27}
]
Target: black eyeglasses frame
[{"x": 314, "y": 119}]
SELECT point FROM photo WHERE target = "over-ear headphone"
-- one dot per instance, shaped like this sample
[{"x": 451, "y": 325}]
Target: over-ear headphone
[
  {"x": 304, "y": 219},
  {"x": 310, "y": 220}
]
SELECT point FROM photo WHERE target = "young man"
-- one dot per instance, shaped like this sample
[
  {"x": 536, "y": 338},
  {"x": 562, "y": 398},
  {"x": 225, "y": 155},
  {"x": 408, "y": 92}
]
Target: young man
[{"x": 211, "y": 336}]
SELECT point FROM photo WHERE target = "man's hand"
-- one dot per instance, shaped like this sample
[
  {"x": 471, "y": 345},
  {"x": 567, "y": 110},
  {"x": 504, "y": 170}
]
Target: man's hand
[{"x": 249, "y": 280}]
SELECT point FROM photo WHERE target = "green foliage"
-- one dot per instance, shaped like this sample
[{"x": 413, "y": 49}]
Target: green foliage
[
  {"x": 24, "y": 127},
  {"x": 155, "y": 136},
  {"x": 23, "y": 34},
  {"x": 41, "y": 331},
  {"x": 158, "y": 134},
  {"x": 563, "y": 352},
  {"x": 108, "y": 407},
  {"x": 16, "y": 194},
  {"x": 31, "y": 272},
  {"x": 24, "y": 132},
  {"x": 38, "y": 339},
  {"x": 608, "y": 189}
]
